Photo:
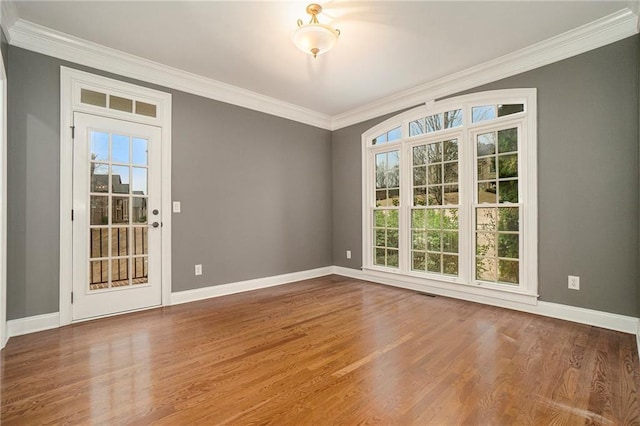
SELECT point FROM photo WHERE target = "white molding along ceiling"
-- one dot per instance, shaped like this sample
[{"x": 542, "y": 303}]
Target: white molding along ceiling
[
  {"x": 603, "y": 31},
  {"x": 8, "y": 16},
  {"x": 609, "y": 29},
  {"x": 69, "y": 48}
]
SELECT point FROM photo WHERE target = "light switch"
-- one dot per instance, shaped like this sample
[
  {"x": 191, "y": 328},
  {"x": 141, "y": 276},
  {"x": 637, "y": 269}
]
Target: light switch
[{"x": 176, "y": 206}]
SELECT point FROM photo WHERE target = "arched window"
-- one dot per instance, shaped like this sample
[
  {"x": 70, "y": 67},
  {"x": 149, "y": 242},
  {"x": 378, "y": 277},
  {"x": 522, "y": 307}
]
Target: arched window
[{"x": 449, "y": 192}]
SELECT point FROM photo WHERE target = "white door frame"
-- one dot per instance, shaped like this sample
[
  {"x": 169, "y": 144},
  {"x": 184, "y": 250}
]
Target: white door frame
[
  {"x": 4, "y": 335},
  {"x": 71, "y": 84}
]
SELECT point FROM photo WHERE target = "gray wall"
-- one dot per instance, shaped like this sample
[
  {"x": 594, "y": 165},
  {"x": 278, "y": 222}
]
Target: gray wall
[
  {"x": 33, "y": 162},
  {"x": 588, "y": 183},
  {"x": 346, "y": 150},
  {"x": 255, "y": 190}
]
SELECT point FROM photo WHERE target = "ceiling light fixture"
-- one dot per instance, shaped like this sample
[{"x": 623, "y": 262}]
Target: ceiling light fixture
[{"x": 315, "y": 38}]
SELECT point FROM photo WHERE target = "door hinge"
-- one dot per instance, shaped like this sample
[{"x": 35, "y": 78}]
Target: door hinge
[
  {"x": 72, "y": 298},
  {"x": 73, "y": 132},
  {"x": 71, "y": 214}
]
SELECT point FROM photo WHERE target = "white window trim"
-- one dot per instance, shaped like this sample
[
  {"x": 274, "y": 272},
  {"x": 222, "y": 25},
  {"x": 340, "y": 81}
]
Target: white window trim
[
  {"x": 527, "y": 291},
  {"x": 4, "y": 335},
  {"x": 71, "y": 81}
]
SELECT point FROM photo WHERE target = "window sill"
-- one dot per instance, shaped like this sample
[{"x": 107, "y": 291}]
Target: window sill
[{"x": 451, "y": 287}]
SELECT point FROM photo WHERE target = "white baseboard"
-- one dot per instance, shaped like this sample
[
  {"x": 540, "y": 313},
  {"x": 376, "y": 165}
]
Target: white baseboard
[
  {"x": 20, "y": 326},
  {"x": 638, "y": 338},
  {"x": 242, "y": 286},
  {"x": 348, "y": 272},
  {"x": 623, "y": 323}
]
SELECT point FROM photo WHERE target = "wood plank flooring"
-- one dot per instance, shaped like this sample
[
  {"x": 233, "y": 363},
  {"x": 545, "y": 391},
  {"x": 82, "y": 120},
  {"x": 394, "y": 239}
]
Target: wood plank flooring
[{"x": 326, "y": 351}]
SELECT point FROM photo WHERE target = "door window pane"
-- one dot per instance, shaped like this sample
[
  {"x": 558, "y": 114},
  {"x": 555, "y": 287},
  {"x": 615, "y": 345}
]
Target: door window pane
[
  {"x": 140, "y": 240},
  {"x": 119, "y": 272},
  {"x": 98, "y": 274},
  {"x": 120, "y": 104},
  {"x": 99, "y": 146},
  {"x": 99, "y": 177},
  {"x": 120, "y": 210},
  {"x": 93, "y": 98},
  {"x": 120, "y": 179},
  {"x": 120, "y": 148},
  {"x": 98, "y": 210},
  {"x": 140, "y": 154},
  {"x": 143, "y": 108},
  {"x": 119, "y": 248},
  {"x": 140, "y": 271},
  {"x": 140, "y": 181},
  {"x": 119, "y": 241},
  {"x": 98, "y": 242},
  {"x": 139, "y": 209}
]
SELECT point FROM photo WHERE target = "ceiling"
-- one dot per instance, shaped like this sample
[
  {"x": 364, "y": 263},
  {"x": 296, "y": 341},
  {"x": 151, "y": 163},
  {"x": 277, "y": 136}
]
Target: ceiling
[{"x": 384, "y": 47}]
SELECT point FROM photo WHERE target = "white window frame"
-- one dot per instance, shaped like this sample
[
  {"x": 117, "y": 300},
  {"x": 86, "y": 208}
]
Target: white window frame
[
  {"x": 71, "y": 83},
  {"x": 464, "y": 285},
  {"x": 4, "y": 335}
]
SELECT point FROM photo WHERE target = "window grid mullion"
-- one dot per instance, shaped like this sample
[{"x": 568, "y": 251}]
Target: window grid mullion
[{"x": 468, "y": 179}]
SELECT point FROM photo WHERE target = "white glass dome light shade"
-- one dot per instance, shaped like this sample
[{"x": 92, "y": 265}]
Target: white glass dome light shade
[{"x": 315, "y": 39}]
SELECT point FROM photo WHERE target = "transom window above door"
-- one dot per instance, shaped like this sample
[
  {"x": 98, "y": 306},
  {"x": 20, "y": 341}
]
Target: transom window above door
[{"x": 450, "y": 197}]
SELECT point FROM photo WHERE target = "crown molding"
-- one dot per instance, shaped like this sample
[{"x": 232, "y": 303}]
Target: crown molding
[
  {"x": 49, "y": 42},
  {"x": 609, "y": 29},
  {"x": 8, "y": 16},
  {"x": 601, "y": 32}
]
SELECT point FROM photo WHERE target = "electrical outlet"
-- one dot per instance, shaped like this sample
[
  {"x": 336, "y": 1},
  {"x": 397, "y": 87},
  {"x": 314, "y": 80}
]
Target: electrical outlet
[
  {"x": 198, "y": 269},
  {"x": 348, "y": 254},
  {"x": 574, "y": 282}
]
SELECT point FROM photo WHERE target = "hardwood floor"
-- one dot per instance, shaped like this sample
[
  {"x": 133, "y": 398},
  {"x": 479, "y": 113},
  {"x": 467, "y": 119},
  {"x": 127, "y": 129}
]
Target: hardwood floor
[{"x": 326, "y": 351}]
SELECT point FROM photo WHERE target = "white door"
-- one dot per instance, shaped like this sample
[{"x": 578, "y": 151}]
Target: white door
[{"x": 117, "y": 223}]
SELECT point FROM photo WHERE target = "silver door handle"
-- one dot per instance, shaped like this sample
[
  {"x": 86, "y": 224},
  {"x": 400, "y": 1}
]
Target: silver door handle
[{"x": 155, "y": 224}]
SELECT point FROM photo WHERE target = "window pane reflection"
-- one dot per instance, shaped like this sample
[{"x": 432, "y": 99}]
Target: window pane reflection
[
  {"x": 120, "y": 210},
  {"x": 99, "y": 177},
  {"x": 120, "y": 179},
  {"x": 120, "y": 148},
  {"x": 139, "y": 209}
]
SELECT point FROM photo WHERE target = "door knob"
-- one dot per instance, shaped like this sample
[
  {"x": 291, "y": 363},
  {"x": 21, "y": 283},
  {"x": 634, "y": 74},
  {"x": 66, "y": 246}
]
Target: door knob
[{"x": 155, "y": 224}]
